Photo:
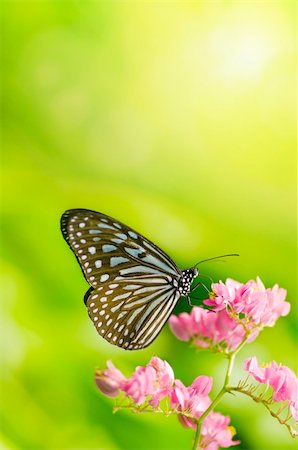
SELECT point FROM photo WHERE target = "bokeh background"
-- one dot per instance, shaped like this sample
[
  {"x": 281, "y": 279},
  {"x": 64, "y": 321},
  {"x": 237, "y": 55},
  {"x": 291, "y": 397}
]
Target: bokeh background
[{"x": 177, "y": 118}]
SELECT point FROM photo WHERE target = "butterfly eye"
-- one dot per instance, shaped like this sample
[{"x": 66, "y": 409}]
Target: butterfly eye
[{"x": 134, "y": 284}]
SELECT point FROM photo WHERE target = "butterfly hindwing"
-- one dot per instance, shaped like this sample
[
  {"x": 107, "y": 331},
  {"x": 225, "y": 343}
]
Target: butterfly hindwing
[
  {"x": 130, "y": 315},
  {"x": 134, "y": 282}
]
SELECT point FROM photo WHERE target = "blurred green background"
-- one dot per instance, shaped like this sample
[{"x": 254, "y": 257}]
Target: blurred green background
[{"x": 177, "y": 118}]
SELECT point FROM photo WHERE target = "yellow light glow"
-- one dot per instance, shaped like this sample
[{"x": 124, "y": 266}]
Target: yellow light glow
[{"x": 241, "y": 54}]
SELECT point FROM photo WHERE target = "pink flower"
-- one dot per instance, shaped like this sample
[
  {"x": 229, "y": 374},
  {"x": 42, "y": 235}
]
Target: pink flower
[
  {"x": 140, "y": 384},
  {"x": 110, "y": 380},
  {"x": 192, "y": 400},
  {"x": 205, "y": 328},
  {"x": 182, "y": 327},
  {"x": 154, "y": 381},
  {"x": 225, "y": 293},
  {"x": 164, "y": 379},
  {"x": 260, "y": 305},
  {"x": 282, "y": 380},
  {"x": 251, "y": 366},
  {"x": 216, "y": 432}
]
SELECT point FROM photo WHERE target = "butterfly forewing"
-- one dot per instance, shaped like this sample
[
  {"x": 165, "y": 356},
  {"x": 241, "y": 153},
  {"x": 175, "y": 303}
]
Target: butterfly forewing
[{"x": 134, "y": 282}]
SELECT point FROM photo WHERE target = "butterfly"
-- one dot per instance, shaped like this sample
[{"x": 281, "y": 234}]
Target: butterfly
[{"x": 134, "y": 284}]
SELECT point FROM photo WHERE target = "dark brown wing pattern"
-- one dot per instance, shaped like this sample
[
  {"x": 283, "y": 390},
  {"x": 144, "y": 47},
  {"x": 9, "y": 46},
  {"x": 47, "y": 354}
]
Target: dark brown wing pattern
[{"x": 133, "y": 283}]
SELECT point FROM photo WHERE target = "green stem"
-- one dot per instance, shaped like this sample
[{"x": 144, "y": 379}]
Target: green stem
[
  {"x": 224, "y": 389},
  {"x": 267, "y": 404}
]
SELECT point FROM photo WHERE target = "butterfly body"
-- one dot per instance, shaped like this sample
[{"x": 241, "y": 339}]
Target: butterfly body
[
  {"x": 134, "y": 284},
  {"x": 186, "y": 279}
]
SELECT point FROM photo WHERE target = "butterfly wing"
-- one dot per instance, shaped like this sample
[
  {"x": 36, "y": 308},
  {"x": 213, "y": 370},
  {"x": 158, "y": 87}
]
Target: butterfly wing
[
  {"x": 131, "y": 315},
  {"x": 133, "y": 282}
]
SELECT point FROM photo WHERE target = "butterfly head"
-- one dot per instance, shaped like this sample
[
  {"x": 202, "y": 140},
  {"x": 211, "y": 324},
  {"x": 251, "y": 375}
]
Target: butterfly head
[{"x": 186, "y": 279}]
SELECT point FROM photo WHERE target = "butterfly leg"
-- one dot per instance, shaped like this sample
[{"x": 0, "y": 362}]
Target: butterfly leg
[
  {"x": 195, "y": 298},
  {"x": 189, "y": 301},
  {"x": 200, "y": 283}
]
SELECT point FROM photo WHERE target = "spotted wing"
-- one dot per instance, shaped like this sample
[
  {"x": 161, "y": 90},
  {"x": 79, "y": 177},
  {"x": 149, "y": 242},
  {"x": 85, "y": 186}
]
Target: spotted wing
[
  {"x": 133, "y": 282},
  {"x": 131, "y": 314}
]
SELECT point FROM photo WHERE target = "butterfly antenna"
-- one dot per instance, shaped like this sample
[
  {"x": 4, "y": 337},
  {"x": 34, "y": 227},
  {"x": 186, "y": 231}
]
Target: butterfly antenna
[{"x": 216, "y": 257}]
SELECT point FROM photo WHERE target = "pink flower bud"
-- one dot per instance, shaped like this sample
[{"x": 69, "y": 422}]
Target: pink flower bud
[
  {"x": 251, "y": 366},
  {"x": 193, "y": 399},
  {"x": 140, "y": 384},
  {"x": 282, "y": 380},
  {"x": 202, "y": 385},
  {"x": 110, "y": 380},
  {"x": 182, "y": 326},
  {"x": 163, "y": 368},
  {"x": 163, "y": 382},
  {"x": 216, "y": 432}
]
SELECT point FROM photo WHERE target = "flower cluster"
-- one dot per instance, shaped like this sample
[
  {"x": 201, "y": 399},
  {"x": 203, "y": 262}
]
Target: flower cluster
[
  {"x": 150, "y": 384},
  {"x": 282, "y": 380},
  {"x": 206, "y": 329},
  {"x": 154, "y": 380},
  {"x": 239, "y": 311},
  {"x": 251, "y": 303}
]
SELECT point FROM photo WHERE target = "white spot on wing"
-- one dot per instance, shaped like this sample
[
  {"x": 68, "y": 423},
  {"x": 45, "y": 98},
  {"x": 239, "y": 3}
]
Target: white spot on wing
[
  {"x": 134, "y": 314},
  {"x": 117, "y": 241},
  {"x": 106, "y": 248},
  {"x": 104, "y": 277},
  {"x": 104, "y": 225},
  {"x": 133, "y": 234},
  {"x": 136, "y": 252},
  {"x": 94, "y": 231},
  {"x": 121, "y": 236},
  {"x": 115, "y": 260},
  {"x": 122, "y": 296}
]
